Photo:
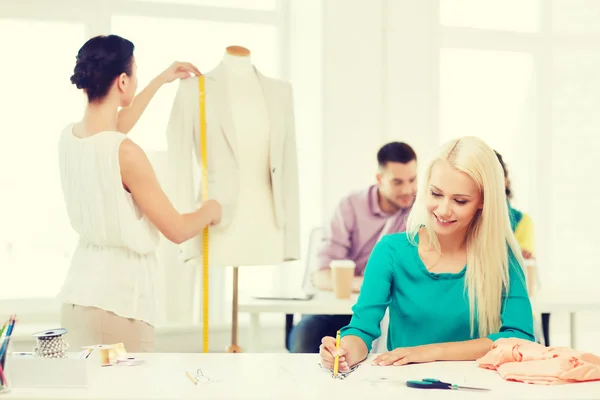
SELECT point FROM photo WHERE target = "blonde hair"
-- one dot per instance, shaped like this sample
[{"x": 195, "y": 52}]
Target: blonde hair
[{"x": 487, "y": 274}]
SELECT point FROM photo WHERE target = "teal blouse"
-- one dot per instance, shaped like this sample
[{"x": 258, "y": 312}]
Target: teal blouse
[{"x": 426, "y": 307}]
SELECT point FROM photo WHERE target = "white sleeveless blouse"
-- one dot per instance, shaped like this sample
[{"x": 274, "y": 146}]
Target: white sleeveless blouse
[{"x": 114, "y": 266}]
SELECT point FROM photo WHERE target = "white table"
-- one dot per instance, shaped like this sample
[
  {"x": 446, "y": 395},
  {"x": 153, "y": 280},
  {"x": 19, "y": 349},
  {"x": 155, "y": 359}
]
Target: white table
[
  {"x": 569, "y": 301},
  {"x": 547, "y": 301},
  {"x": 324, "y": 302},
  {"x": 292, "y": 376}
]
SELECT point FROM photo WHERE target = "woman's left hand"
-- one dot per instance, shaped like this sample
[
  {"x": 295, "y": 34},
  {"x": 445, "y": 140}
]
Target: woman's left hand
[
  {"x": 179, "y": 70},
  {"x": 406, "y": 355}
]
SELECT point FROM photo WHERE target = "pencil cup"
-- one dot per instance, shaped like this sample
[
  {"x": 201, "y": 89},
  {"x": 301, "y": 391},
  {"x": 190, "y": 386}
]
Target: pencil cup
[
  {"x": 342, "y": 274},
  {"x": 4, "y": 349}
]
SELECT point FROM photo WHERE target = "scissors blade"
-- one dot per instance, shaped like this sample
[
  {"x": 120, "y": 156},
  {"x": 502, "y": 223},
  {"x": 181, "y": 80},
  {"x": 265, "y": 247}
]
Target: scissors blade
[{"x": 470, "y": 388}]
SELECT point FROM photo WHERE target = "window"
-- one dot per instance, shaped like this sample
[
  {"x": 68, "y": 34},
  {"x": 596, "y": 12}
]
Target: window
[
  {"x": 574, "y": 144},
  {"x": 540, "y": 107},
  {"x": 36, "y": 239},
  {"x": 505, "y": 15},
  {"x": 488, "y": 94},
  {"x": 576, "y": 17}
]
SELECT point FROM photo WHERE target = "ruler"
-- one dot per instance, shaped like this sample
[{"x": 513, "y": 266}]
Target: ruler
[{"x": 203, "y": 152}]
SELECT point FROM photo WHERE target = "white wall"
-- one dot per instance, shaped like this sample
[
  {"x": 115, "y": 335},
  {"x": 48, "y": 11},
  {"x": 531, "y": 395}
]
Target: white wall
[
  {"x": 380, "y": 84},
  {"x": 353, "y": 80}
]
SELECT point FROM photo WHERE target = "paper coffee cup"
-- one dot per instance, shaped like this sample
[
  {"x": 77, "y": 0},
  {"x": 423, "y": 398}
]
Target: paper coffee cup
[{"x": 342, "y": 275}]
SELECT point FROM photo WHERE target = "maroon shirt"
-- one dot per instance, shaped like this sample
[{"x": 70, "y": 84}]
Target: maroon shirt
[{"x": 357, "y": 225}]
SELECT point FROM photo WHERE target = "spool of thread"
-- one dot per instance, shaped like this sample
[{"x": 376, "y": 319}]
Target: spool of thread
[{"x": 51, "y": 344}]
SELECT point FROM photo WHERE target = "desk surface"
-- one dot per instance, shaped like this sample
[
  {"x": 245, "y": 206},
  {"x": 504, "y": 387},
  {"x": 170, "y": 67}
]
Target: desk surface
[
  {"x": 323, "y": 302},
  {"x": 292, "y": 376}
]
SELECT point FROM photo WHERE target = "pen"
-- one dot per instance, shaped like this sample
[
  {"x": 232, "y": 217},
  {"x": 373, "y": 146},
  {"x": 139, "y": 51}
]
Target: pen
[{"x": 336, "y": 363}]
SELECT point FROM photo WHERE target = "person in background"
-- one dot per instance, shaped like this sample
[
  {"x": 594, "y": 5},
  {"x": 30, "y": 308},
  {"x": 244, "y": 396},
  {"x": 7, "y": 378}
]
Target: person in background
[
  {"x": 454, "y": 281},
  {"x": 522, "y": 225},
  {"x": 115, "y": 203},
  {"x": 359, "y": 221}
]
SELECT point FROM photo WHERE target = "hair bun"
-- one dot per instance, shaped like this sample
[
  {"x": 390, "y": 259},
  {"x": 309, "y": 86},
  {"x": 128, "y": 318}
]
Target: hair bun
[
  {"x": 99, "y": 61},
  {"x": 82, "y": 75}
]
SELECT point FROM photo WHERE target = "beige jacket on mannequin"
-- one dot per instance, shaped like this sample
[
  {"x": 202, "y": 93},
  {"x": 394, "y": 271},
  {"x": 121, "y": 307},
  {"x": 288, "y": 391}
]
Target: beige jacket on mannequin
[{"x": 183, "y": 139}]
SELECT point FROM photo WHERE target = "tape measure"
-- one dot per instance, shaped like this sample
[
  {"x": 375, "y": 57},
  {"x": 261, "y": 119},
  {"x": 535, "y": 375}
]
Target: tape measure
[{"x": 204, "y": 198}]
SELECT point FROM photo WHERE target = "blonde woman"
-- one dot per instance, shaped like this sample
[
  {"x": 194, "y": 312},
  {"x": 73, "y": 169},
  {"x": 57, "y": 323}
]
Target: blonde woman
[{"x": 454, "y": 282}]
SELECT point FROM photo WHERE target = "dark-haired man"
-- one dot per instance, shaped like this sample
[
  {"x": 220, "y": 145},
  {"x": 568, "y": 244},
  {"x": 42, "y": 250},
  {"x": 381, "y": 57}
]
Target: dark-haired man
[{"x": 359, "y": 221}]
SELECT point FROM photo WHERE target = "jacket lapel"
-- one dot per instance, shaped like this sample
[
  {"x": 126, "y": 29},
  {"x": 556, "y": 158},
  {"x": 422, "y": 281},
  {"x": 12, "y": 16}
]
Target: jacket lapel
[
  {"x": 220, "y": 99},
  {"x": 274, "y": 107}
]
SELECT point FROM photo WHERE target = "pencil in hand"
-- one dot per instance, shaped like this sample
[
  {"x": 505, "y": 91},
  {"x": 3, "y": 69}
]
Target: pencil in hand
[{"x": 336, "y": 363}]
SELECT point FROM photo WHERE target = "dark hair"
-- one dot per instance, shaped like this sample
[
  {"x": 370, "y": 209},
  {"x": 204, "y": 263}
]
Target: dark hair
[
  {"x": 395, "y": 152},
  {"x": 507, "y": 190},
  {"x": 99, "y": 61}
]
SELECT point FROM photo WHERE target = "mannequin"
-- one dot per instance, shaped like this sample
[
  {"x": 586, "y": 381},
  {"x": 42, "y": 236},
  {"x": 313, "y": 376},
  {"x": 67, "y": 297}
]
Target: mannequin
[
  {"x": 252, "y": 164},
  {"x": 238, "y": 51},
  {"x": 246, "y": 242}
]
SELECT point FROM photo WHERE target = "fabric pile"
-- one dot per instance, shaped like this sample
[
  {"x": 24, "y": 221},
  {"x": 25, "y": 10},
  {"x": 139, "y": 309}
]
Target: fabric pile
[{"x": 524, "y": 361}]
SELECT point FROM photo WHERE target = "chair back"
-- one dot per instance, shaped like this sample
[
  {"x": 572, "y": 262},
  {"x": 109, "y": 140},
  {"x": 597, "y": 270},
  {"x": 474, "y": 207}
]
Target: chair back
[{"x": 315, "y": 241}]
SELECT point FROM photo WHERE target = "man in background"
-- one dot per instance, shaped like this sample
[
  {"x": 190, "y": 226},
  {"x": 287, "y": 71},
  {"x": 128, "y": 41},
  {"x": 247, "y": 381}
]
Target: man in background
[{"x": 359, "y": 221}]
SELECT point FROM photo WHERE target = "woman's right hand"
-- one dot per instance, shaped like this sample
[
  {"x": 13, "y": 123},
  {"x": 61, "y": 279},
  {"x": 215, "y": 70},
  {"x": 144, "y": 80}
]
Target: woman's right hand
[
  {"x": 327, "y": 352},
  {"x": 213, "y": 209},
  {"x": 178, "y": 70}
]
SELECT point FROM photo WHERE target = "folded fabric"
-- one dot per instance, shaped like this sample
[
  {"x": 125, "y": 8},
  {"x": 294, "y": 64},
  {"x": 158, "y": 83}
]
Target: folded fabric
[
  {"x": 512, "y": 350},
  {"x": 552, "y": 371},
  {"x": 529, "y": 362}
]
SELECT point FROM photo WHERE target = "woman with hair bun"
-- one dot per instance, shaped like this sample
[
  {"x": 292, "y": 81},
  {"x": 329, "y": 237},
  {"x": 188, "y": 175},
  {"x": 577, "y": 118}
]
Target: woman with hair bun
[{"x": 115, "y": 203}]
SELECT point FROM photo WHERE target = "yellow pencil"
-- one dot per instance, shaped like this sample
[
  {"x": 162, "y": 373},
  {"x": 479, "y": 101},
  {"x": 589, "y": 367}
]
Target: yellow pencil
[{"x": 336, "y": 363}]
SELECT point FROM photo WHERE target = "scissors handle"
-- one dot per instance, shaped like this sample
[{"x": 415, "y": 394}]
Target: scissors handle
[{"x": 428, "y": 383}]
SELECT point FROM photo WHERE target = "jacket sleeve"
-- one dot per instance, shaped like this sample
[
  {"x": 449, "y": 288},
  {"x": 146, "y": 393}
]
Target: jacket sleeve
[
  {"x": 180, "y": 145},
  {"x": 291, "y": 191}
]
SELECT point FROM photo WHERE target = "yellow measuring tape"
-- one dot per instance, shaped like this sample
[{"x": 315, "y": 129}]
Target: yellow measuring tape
[{"x": 204, "y": 198}]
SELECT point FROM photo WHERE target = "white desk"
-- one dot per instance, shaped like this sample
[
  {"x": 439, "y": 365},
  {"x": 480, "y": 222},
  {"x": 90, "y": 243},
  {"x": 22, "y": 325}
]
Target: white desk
[
  {"x": 323, "y": 303},
  {"x": 292, "y": 376},
  {"x": 547, "y": 301},
  {"x": 569, "y": 301}
]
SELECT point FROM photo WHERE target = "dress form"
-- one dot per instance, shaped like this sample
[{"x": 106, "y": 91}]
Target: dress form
[
  {"x": 253, "y": 237},
  {"x": 229, "y": 146}
]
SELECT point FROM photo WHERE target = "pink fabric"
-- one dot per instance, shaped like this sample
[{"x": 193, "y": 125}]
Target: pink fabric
[{"x": 524, "y": 361}]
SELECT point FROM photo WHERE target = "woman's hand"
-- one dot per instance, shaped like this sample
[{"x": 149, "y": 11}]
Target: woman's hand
[
  {"x": 327, "y": 352},
  {"x": 179, "y": 70},
  {"x": 352, "y": 351},
  {"x": 406, "y": 355},
  {"x": 214, "y": 211},
  {"x": 129, "y": 116}
]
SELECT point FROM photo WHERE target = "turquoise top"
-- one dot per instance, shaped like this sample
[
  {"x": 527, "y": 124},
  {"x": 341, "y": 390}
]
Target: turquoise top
[{"x": 425, "y": 307}]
